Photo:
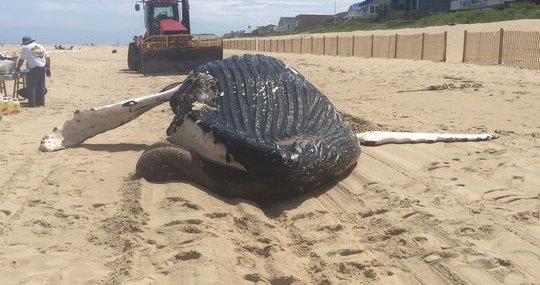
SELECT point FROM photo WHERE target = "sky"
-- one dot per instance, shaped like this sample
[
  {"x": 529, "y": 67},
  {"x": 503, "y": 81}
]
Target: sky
[{"x": 112, "y": 21}]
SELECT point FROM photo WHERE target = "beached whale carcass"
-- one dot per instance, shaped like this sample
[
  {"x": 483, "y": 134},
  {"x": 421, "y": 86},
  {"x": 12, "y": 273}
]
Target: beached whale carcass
[
  {"x": 247, "y": 127},
  {"x": 252, "y": 127}
]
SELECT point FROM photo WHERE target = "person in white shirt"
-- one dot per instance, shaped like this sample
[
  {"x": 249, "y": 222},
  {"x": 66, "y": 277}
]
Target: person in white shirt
[{"x": 39, "y": 65}]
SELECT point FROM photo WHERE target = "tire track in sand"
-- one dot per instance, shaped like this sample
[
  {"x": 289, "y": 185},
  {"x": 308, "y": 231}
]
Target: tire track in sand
[{"x": 123, "y": 232}]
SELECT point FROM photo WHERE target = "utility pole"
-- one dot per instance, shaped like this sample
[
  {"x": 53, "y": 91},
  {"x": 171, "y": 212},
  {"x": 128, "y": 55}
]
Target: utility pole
[{"x": 335, "y": 12}]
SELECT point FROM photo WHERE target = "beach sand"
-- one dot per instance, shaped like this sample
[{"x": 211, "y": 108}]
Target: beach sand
[{"x": 443, "y": 213}]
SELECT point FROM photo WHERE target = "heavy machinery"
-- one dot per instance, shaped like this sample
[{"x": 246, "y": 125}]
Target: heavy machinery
[{"x": 168, "y": 47}]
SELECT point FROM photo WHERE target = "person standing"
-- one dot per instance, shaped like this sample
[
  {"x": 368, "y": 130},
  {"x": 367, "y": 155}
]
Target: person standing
[{"x": 39, "y": 63}]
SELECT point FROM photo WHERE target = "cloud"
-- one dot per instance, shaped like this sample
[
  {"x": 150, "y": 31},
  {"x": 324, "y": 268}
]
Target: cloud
[
  {"x": 224, "y": 16},
  {"x": 103, "y": 21},
  {"x": 53, "y": 7}
]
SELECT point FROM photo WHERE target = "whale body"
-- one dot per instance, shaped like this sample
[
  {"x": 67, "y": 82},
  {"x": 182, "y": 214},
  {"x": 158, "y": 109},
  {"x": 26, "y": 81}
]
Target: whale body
[{"x": 252, "y": 127}]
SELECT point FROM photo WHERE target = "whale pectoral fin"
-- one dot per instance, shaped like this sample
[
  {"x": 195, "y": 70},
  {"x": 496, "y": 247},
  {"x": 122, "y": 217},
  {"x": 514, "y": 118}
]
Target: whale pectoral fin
[
  {"x": 165, "y": 162},
  {"x": 379, "y": 138},
  {"x": 89, "y": 123}
]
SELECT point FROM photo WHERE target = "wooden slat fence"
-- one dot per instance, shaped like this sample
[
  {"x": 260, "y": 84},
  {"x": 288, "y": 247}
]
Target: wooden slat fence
[
  {"x": 521, "y": 49},
  {"x": 307, "y": 45},
  {"x": 511, "y": 48},
  {"x": 420, "y": 46},
  {"x": 481, "y": 48},
  {"x": 363, "y": 46},
  {"x": 297, "y": 45},
  {"x": 410, "y": 46},
  {"x": 384, "y": 46},
  {"x": 345, "y": 46},
  {"x": 435, "y": 47}
]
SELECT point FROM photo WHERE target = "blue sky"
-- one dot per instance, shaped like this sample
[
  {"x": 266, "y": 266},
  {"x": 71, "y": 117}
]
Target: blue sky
[{"x": 105, "y": 21}]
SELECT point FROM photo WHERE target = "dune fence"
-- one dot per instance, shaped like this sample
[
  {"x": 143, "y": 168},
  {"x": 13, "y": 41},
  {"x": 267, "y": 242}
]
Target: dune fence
[
  {"x": 511, "y": 48},
  {"x": 417, "y": 47}
]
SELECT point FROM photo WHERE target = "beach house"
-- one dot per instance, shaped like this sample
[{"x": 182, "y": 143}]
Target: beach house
[
  {"x": 306, "y": 21},
  {"x": 286, "y": 24},
  {"x": 457, "y": 5},
  {"x": 421, "y": 7},
  {"x": 370, "y": 8},
  {"x": 366, "y": 9}
]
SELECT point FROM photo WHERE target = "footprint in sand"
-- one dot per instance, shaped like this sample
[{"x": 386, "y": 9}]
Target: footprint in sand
[
  {"x": 216, "y": 215},
  {"x": 179, "y": 202},
  {"x": 480, "y": 232},
  {"x": 485, "y": 262},
  {"x": 530, "y": 261},
  {"x": 371, "y": 213},
  {"x": 331, "y": 228},
  {"x": 345, "y": 252},
  {"x": 420, "y": 239},
  {"x": 183, "y": 222},
  {"x": 503, "y": 195},
  {"x": 265, "y": 251},
  {"x": 192, "y": 254},
  {"x": 253, "y": 277},
  {"x": 514, "y": 278},
  {"x": 395, "y": 231},
  {"x": 415, "y": 213},
  {"x": 436, "y": 165},
  {"x": 284, "y": 280}
]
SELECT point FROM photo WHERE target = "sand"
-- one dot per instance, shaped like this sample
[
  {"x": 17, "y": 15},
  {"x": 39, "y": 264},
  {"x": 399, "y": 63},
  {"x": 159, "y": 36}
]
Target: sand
[{"x": 456, "y": 213}]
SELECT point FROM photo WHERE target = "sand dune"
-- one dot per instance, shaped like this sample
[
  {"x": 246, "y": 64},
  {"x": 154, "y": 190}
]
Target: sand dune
[{"x": 460, "y": 213}]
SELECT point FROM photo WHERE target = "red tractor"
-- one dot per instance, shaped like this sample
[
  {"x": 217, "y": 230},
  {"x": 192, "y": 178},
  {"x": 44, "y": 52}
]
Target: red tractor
[{"x": 168, "y": 47}]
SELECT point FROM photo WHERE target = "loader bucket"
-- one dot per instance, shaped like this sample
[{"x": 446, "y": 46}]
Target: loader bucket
[{"x": 178, "y": 61}]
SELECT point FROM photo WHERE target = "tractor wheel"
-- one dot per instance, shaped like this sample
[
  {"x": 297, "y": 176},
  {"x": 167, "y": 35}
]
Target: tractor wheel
[
  {"x": 133, "y": 57},
  {"x": 139, "y": 62}
]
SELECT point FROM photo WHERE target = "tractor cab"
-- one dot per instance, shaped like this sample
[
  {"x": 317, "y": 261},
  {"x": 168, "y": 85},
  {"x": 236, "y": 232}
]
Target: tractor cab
[{"x": 162, "y": 17}]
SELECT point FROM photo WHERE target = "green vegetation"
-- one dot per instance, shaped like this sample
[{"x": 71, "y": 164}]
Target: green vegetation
[{"x": 391, "y": 19}]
